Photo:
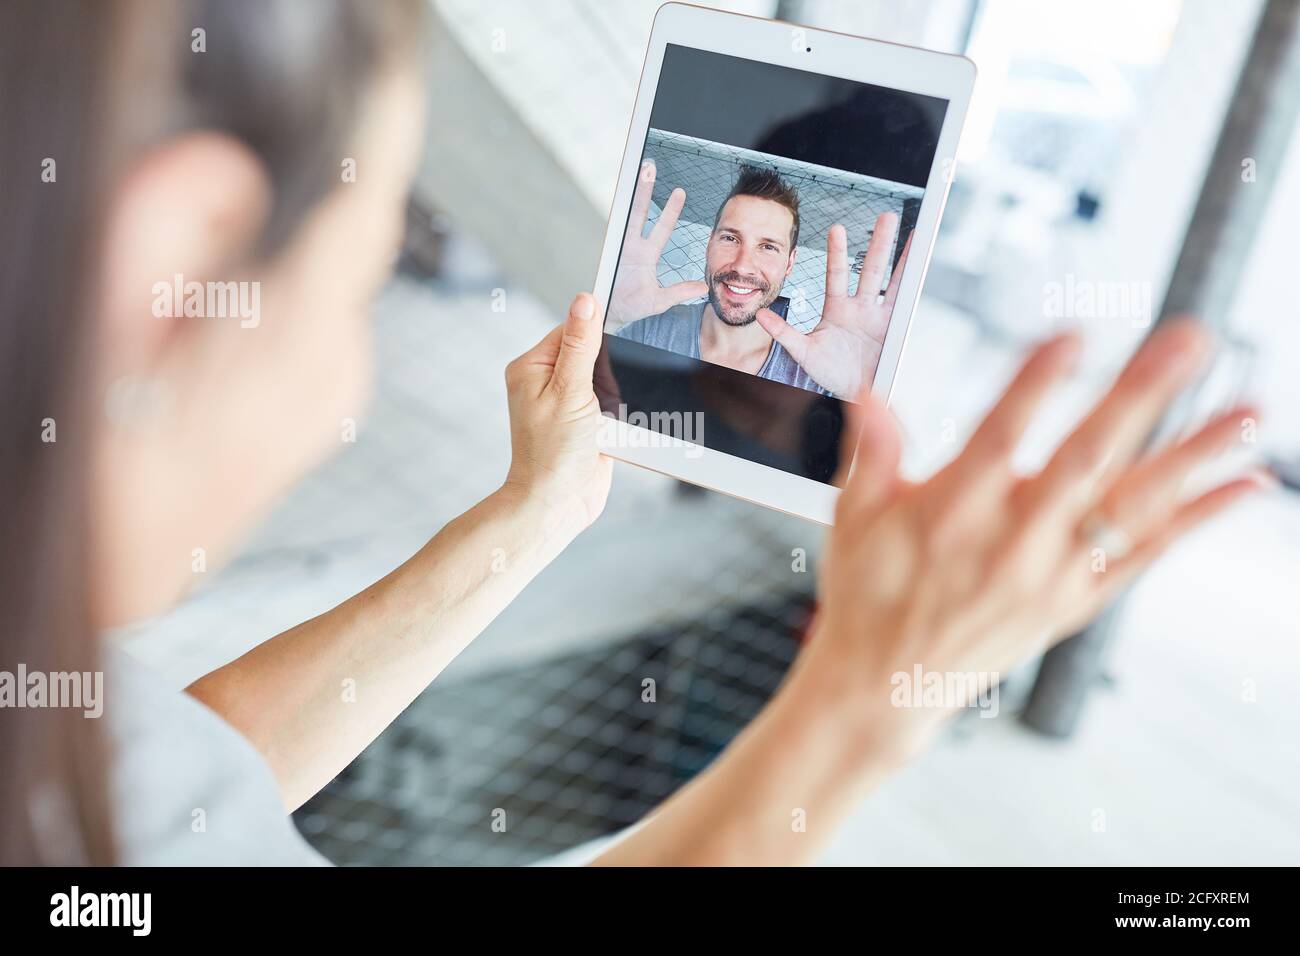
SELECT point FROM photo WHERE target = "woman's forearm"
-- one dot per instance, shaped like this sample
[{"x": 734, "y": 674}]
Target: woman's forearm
[
  {"x": 776, "y": 795},
  {"x": 313, "y": 697}
]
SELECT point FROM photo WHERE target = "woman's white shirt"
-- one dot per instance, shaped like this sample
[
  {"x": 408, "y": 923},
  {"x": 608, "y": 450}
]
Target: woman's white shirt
[{"x": 187, "y": 788}]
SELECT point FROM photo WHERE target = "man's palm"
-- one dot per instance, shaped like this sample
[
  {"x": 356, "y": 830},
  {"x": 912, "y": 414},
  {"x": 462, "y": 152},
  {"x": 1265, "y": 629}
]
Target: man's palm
[
  {"x": 842, "y": 352},
  {"x": 637, "y": 291}
]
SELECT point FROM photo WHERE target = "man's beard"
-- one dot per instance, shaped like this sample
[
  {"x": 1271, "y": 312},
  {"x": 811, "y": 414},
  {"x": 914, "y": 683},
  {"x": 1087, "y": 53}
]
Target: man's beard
[{"x": 745, "y": 314}]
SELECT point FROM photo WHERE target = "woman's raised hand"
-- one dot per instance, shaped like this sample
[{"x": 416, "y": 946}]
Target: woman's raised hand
[{"x": 976, "y": 569}]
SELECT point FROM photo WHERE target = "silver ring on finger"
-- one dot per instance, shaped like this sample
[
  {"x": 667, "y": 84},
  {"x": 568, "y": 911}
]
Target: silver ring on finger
[{"x": 1101, "y": 533}]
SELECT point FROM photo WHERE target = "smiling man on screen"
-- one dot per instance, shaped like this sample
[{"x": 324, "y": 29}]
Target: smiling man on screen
[{"x": 750, "y": 254}]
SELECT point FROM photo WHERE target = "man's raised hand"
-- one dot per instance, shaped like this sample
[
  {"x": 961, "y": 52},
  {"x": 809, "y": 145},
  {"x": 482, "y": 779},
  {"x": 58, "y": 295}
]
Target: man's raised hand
[
  {"x": 637, "y": 292},
  {"x": 842, "y": 352}
]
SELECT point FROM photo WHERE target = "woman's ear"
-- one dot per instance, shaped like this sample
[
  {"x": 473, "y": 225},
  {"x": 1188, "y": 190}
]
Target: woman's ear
[{"x": 193, "y": 208}]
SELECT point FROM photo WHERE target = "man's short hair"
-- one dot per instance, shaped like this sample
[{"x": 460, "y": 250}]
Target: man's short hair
[{"x": 765, "y": 184}]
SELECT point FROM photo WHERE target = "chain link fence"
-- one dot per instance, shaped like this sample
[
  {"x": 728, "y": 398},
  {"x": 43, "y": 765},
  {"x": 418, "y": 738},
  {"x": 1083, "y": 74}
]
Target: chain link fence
[{"x": 522, "y": 763}]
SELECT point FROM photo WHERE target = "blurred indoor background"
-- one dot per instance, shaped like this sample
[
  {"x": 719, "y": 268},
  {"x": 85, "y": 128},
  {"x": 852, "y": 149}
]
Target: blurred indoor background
[{"x": 1102, "y": 152}]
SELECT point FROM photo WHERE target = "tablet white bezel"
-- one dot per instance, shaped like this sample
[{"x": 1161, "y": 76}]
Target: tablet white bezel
[{"x": 835, "y": 54}]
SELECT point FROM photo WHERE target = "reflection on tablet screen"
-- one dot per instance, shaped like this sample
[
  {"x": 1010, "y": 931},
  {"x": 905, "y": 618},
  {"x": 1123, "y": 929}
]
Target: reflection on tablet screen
[{"x": 764, "y": 245}]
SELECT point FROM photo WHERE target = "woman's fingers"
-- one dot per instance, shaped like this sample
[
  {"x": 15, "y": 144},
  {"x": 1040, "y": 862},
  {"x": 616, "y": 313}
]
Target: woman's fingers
[
  {"x": 980, "y": 477},
  {"x": 1197, "y": 511},
  {"x": 872, "y": 449},
  {"x": 1106, "y": 441},
  {"x": 1148, "y": 494},
  {"x": 986, "y": 460},
  {"x": 850, "y": 431},
  {"x": 579, "y": 346},
  {"x": 879, "y": 251}
]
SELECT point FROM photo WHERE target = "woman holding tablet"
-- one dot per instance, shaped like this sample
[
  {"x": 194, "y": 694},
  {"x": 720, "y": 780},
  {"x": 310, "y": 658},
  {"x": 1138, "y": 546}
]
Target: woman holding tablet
[{"x": 135, "y": 433}]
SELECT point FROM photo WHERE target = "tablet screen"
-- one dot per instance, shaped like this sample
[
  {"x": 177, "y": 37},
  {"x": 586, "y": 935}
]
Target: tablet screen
[{"x": 764, "y": 244}]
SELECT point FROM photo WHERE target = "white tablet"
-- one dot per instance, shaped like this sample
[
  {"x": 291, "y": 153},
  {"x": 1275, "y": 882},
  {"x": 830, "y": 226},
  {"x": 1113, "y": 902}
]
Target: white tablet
[{"x": 777, "y": 203}]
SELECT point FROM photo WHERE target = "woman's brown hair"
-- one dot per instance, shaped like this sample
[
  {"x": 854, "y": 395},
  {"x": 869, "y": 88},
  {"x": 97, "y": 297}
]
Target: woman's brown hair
[{"x": 84, "y": 88}]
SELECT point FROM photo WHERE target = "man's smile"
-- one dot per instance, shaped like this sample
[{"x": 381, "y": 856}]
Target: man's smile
[
  {"x": 736, "y": 297},
  {"x": 739, "y": 291}
]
